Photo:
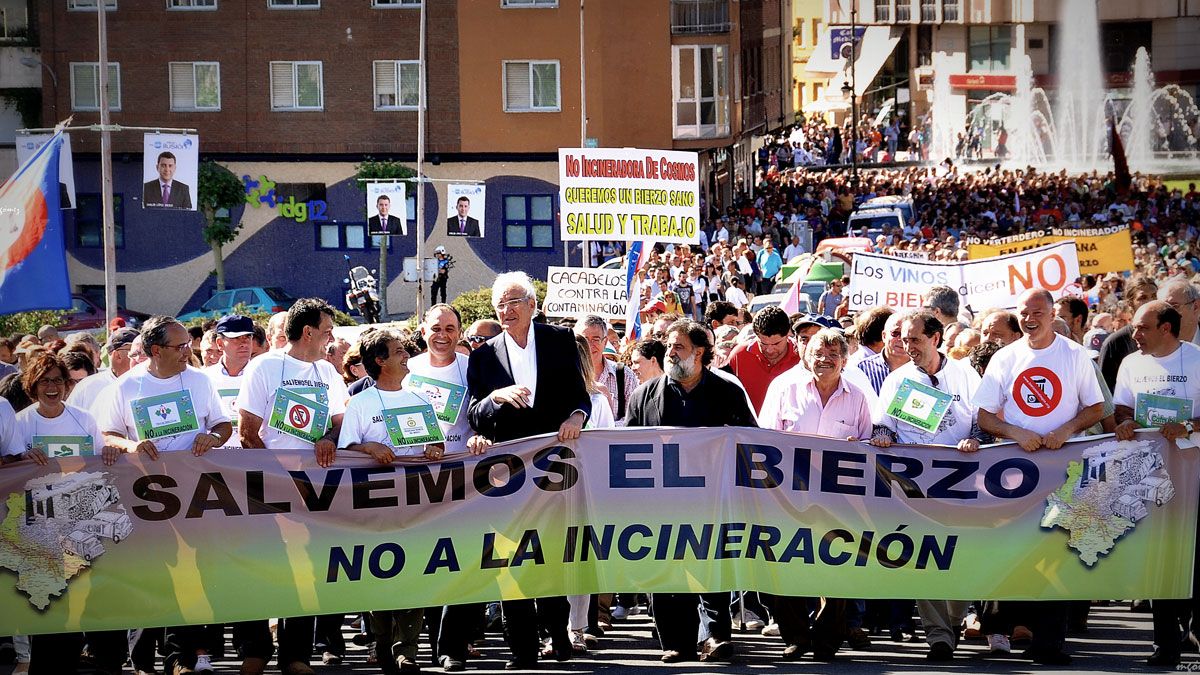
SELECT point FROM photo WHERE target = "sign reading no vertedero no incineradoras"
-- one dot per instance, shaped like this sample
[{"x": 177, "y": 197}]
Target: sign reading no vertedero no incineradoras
[
  {"x": 611, "y": 194},
  {"x": 203, "y": 539}
]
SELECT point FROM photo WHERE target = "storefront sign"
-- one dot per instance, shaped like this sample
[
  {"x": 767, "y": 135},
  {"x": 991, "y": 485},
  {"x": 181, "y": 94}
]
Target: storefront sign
[{"x": 262, "y": 191}]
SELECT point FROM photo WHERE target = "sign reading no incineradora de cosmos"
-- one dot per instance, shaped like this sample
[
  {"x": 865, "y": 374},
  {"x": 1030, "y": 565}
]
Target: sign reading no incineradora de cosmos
[{"x": 627, "y": 194}]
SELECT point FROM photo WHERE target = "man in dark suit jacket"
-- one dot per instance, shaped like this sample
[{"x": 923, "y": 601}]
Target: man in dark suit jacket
[
  {"x": 166, "y": 192},
  {"x": 383, "y": 223},
  {"x": 462, "y": 225},
  {"x": 527, "y": 381}
]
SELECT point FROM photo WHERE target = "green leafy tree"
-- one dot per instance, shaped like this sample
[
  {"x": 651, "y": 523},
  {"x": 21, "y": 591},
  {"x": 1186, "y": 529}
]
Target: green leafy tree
[
  {"x": 28, "y": 323},
  {"x": 220, "y": 192},
  {"x": 477, "y": 304},
  {"x": 381, "y": 169}
]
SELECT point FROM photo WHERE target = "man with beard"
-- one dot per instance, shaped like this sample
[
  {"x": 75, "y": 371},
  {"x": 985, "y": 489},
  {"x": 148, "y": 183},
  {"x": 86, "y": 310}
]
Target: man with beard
[{"x": 690, "y": 396}]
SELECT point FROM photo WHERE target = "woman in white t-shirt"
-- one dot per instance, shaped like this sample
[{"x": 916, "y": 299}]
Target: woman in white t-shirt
[{"x": 51, "y": 428}]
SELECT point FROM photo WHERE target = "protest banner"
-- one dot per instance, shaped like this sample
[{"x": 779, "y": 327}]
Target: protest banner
[
  {"x": 573, "y": 292},
  {"x": 1100, "y": 249},
  {"x": 236, "y": 535},
  {"x": 609, "y": 194},
  {"x": 981, "y": 284}
]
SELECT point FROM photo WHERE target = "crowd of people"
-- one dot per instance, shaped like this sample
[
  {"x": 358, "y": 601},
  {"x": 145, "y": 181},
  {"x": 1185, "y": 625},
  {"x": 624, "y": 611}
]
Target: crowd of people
[{"x": 805, "y": 373}]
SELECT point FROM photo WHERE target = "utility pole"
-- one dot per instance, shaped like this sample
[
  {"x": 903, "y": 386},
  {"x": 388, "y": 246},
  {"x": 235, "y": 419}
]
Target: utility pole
[
  {"x": 853, "y": 95},
  {"x": 106, "y": 179},
  {"x": 421, "y": 172},
  {"x": 585, "y": 247}
]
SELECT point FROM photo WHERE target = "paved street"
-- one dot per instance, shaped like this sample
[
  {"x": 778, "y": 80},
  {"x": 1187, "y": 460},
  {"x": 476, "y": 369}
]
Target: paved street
[{"x": 1117, "y": 641}]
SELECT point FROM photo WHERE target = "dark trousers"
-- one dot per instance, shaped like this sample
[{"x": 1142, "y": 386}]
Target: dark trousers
[
  {"x": 522, "y": 618},
  {"x": 252, "y": 640},
  {"x": 328, "y": 635},
  {"x": 686, "y": 619},
  {"x": 396, "y": 634},
  {"x": 439, "y": 284},
  {"x": 180, "y": 644},
  {"x": 58, "y": 654},
  {"x": 296, "y": 640},
  {"x": 143, "y": 648},
  {"x": 1047, "y": 620},
  {"x": 802, "y": 621},
  {"x": 452, "y": 628}
]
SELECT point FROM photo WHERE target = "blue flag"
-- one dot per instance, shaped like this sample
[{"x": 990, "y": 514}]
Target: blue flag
[{"x": 33, "y": 256}]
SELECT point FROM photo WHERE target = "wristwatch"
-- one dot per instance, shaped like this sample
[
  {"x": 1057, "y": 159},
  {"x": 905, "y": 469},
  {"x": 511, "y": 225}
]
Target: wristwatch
[
  {"x": 1189, "y": 427},
  {"x": 215, "y": 435}
]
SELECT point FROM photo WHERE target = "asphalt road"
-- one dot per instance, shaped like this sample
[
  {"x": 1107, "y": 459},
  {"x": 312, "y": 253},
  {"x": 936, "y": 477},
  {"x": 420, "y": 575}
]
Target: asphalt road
[{"x": 1117, "y": 641}]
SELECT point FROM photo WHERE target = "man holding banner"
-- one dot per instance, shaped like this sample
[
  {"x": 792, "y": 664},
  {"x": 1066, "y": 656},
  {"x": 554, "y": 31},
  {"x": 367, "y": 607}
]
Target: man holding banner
[
  {"x": 293, "y": 398},
  {"x": 1039, "y": 391},
  {"x": 1159, "y": 386},
  {"x": 690, "y": 396}
]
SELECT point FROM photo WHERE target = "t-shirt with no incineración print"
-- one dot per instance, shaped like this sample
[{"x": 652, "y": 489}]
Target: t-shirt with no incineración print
[
  {"x": 363, "y": 421},
  {"x": 315, "y": 381},
  {"x": 168, "y": 411},
  {"x": 1175, "y": 377}
]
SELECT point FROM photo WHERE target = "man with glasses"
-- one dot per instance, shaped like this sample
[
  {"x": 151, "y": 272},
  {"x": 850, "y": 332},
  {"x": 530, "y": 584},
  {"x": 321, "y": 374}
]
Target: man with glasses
[
  {"x": 618, "y": 381},
  {"x": 168, "y": 406},
  {"x": 527, "y": 381},
  {"x": 234, "y": 337},
  {"x": 921, "y": 335},
  {"x": 1184, "y": 297},
  {"x": 879, "y": 366},
  {"x": 828, "y": 303},
  {"x": 88, "y": 389},
  {"x": 481, "y": 331}
]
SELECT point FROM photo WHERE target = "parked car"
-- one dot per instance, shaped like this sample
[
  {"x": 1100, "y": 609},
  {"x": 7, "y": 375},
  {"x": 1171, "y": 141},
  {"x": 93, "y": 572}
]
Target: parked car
[
  {"x": 253, "y": 299},
  {"x": 776, "y": 299},
  {"x": 87, "y": 315}
]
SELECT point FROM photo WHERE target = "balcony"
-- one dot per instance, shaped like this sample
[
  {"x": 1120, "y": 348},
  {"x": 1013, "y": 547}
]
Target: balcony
[{"x": 693, "y": 17}]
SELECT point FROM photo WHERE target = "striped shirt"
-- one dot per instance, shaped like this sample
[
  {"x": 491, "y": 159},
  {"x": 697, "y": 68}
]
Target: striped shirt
[{"x": 876, "y": 368}]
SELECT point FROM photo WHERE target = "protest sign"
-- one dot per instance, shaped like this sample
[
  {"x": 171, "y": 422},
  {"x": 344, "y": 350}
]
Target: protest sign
[
  {"x": 1100, "y": 249},
  {"x": 572, "y": 292},
  {"x": 628, "y": 194},
  {"x": 982, "y": 284},
  {"x": 234, "y": 535}
]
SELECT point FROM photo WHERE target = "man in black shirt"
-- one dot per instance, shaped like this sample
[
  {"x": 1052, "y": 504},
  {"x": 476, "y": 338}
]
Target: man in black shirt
[{"x": 689, "y": 395}]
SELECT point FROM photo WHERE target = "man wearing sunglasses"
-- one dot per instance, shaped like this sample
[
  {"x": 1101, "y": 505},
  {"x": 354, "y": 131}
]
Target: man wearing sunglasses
[
  {"x": 85, "y": 393},
  {"x": 921, "y": 335}
]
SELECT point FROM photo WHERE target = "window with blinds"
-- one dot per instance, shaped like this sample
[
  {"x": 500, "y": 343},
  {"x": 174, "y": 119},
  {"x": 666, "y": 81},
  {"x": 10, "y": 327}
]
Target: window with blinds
[
  {"x": 531, "y": 86},
  {"x": 397, "y": 85},
  {"x": 195, "y": 85},
  {"x": 386, "y": 4},
  {"x": 85, "y": 86},
  {"x": 293, "y": 4},
  {"x": 529, "y": 3},
  {"x": 191, "y": 4},
  {"x": 296, "y": 85},
  {"x": 109, "y": 5}
]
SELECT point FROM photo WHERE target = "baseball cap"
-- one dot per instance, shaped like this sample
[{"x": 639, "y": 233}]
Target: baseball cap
[
  {"x": 117, "y": 322},
  {"x": 816, "y": 320},
  {"x": 120, "y": 338},
  {"x": 235, "y": 325}
]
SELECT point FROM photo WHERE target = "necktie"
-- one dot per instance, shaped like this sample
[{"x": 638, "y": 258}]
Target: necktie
[
  {"x": 462, "y": 225},
  {"x": 166, "y": 196}
]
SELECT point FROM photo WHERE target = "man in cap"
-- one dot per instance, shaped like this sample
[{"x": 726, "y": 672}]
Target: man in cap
[
  {"x": 119, "y": 341},
  {"x": 234, "y": 337}
]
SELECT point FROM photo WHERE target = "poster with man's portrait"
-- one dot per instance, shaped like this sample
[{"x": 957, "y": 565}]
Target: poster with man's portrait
[
  {"x": 464, "y": 204},
  {"x": 170, "y": 168},
  {"x": 386, "y": 208},
  {"x": 28, "y": 145}
]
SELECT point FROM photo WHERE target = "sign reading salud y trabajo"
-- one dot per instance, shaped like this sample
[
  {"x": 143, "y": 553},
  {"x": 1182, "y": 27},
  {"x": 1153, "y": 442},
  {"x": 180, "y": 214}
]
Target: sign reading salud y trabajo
[{"x": 627, "y": 194}]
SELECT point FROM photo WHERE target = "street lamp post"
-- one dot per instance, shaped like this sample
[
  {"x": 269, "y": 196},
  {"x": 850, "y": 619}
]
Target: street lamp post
[{"x": 851, "y": 87}]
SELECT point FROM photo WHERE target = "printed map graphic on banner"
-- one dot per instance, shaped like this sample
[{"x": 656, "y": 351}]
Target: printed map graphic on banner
[
  {"x": 54, "y": 529},
  {"x": 1106, "y": 494}
]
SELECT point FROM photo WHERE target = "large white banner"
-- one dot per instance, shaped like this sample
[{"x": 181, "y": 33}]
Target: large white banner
[
  {"x": 573, "y": 291},
  {"x": 981, "y": 284},
  {"x": 170, "y": 169},
  {"x": 28, "y": 144},
  {"x": 608, "y": 194}
]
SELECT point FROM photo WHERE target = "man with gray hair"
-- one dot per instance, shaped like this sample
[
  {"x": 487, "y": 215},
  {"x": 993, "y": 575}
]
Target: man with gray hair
[
  {"x": 943, "y": 301},
  {"x": 1184, "y": 298},
  {"x": 527, "y": 381},
  {"x": 618, "y": 380}
]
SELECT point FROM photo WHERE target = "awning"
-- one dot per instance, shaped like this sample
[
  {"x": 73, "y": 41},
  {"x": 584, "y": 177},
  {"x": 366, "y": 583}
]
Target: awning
[
  {"x": 825, "y": 105},
  {"x": 821, "y": 61},
  {"x": 877, "y": 45}
]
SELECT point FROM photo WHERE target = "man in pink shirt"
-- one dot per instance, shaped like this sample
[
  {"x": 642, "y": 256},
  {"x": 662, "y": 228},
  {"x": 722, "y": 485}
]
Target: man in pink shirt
[{"x": 813, "y": 398}]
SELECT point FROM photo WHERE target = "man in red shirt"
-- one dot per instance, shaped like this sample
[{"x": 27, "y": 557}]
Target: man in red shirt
[{"x": 771, "y": 352}]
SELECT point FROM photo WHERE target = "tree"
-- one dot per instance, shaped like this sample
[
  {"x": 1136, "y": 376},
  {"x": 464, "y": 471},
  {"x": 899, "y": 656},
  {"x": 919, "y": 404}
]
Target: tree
[
  {"x": 220, "y": 192},
  {"x": 372, "y": 170}
]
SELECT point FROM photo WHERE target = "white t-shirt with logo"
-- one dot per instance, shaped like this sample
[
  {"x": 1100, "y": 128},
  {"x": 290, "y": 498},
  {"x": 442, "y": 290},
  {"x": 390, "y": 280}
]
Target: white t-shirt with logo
[
  {"x": 1039, "y": 389},
  {"x": 265, "y": 375},
  {"x": 171, "y": 411},
  {"x": 87, "y": 390},
  {"x": 1176, "y": 375},
  {"x": 228, "y": 387},
  {"x": 956, "y": 378},
  {"x": 363, "y": 421},
  {"x": 458, "y": 432},
  {"x": 8, "y": 423},
  {"x": 64, "y": 436}
]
